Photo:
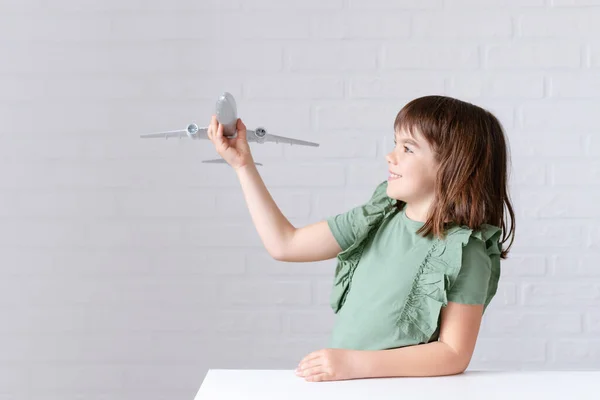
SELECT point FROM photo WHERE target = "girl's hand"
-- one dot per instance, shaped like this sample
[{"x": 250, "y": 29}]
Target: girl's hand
[
  {"x": 329, "y": 365},
  {"x": 235, "y": 151}
]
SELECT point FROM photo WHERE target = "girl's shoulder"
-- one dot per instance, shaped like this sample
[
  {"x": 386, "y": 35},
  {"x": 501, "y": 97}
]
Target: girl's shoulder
[
  {"x": 381, "y": 204},
  {"x": 488, "y": 237}
]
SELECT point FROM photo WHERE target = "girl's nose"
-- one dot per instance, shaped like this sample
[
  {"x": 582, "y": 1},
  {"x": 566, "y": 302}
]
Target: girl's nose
[{"x": 390, "y": 157}]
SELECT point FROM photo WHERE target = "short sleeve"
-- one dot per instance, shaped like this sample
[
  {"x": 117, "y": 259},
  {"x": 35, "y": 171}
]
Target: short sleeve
[
  {"x": 472, "y": 282},
  {"x": 344, "y": 226},
  {"x": 341, "y": 227}
]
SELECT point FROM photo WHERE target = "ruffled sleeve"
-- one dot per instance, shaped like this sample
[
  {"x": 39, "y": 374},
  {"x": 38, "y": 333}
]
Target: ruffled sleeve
[
  {"x": 491, "y": 236},
  {"x": 351, "y": 230},
  {"x": 348, "y": 226},
  {"x": 475, "y": 276},
  {"x": 438, "y": 276}
]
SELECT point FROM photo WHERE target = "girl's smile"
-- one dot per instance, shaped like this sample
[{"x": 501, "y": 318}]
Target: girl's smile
[{"x": 393, "y": 176}]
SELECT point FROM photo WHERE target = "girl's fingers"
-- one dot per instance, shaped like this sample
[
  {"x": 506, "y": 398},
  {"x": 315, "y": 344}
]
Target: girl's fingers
[
  {"x": 223, "y": 142},
  {"x": 317, "y": 378},
  {"x": 220, "y": 138},
  {"x": 315, "y": 362},
  {"x": 241, "y": 128},
  {"x": 311, "y": 356},
  {"x": 210, "y": 128},
  {"x": 311, "y": 371},
  {"x": 213, "y": 128}
]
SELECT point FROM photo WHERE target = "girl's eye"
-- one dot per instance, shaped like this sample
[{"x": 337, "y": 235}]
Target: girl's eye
[{"x": 395, "y": 144}]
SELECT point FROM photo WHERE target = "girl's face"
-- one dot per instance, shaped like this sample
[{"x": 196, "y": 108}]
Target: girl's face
[{"x": 412, "y": 158}]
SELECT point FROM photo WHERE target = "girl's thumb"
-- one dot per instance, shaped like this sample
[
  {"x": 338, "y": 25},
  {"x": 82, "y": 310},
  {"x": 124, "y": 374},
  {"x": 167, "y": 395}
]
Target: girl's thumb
[{"x": 241, "y": 129}]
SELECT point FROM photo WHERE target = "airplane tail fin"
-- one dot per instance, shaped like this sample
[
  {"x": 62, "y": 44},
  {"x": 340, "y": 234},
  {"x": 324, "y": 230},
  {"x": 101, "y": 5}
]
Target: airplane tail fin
[{"x": 221, "y": 161}]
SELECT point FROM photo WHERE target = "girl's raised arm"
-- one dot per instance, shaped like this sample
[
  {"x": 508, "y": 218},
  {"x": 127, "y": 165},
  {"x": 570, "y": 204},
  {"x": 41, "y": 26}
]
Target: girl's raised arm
[{"x": 283, "y": 241}]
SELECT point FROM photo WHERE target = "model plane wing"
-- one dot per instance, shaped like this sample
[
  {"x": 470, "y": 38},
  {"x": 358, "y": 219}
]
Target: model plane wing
[
  {"x": 279, "y": 139},
  {"x": 282, "y": 139},
  {"x": 201, "y": 133}
]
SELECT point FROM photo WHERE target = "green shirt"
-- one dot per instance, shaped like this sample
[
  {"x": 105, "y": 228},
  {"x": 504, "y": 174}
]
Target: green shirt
[{"x": 391, "y": 283}]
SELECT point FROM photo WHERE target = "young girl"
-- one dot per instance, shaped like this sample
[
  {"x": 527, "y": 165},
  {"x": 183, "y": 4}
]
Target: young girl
[{"x": 428, "y": 244}]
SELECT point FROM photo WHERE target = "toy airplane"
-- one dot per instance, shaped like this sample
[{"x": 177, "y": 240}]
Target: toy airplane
[{"x": 226, "y": 111}]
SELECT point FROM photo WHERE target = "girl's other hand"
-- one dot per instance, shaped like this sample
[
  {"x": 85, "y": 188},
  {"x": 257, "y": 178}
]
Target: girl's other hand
[{"x": 329, "y": 365}]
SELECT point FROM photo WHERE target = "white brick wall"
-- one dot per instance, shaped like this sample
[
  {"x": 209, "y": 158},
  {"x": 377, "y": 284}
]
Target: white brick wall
[{"x": 129, "y": 268}]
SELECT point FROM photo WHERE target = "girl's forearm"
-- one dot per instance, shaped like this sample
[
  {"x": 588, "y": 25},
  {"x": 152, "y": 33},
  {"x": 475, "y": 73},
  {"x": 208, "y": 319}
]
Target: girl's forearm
[
  {"x": 273, "y": 227},
  {"x": 431, "y": 359}
]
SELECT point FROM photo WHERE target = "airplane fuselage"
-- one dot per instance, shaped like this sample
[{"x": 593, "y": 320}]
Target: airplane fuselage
[{"x": 226, "y": 111}]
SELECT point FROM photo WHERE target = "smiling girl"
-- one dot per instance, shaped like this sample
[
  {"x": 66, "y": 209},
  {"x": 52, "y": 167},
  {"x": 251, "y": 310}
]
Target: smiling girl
[{"x": 419, "y": 262}]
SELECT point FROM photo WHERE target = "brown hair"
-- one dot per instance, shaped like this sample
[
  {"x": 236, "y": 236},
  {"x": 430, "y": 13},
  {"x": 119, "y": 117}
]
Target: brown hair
[{"x": 470, "y": 148}]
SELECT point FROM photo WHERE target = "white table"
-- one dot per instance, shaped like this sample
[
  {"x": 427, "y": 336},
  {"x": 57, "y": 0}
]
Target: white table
[{"x": 224, "y": 384}]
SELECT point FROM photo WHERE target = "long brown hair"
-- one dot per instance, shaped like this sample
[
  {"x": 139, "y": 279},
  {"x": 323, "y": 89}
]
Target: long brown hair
[{"x": 469, "y": 145}]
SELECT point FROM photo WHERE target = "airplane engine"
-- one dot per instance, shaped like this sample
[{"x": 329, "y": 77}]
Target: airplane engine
[
  {"x": 260, "y": 134},
  {"x": 191, "y": 131}
]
